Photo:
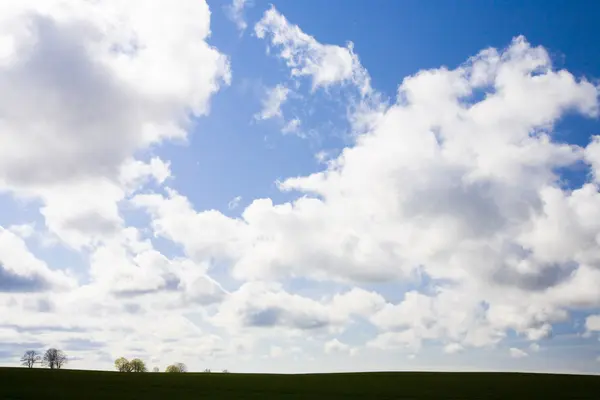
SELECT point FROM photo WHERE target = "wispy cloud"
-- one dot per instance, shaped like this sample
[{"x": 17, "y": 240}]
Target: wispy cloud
[
  {"x": 234, "y": 203},
  {"x": 235, "y": 12},
  {"x": 274, "y": 98}
]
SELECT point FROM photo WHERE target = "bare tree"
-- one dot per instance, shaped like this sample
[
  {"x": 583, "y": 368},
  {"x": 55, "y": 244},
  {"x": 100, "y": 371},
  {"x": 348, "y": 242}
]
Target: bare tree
[
  {"x": 207, "y": 370},
  {"x": 182, "y": 367},
  {"x": 54, "y": 359},
  {"x": 30, "y": 358},
  {"x": 155, "y": 369}
]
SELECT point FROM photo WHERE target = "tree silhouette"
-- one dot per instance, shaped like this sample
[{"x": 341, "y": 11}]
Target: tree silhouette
[
  {"x": 54, "y": 359},
  {"x": 30, "y": 358}
]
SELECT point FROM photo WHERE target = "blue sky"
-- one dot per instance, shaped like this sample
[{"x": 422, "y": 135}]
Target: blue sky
[{"x": 301, "y": 186}]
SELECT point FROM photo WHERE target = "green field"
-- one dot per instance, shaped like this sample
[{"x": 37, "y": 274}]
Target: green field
[{"x": 21, "y": 383}]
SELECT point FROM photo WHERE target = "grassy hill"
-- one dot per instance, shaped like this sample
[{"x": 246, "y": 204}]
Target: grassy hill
[{"x": 21, "y": 383}]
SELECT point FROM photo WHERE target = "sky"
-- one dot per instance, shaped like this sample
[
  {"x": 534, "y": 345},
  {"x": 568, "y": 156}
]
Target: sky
[{"x": 301, "y": 186}]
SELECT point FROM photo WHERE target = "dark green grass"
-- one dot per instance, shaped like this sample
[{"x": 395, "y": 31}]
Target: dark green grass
[{"x": 21, "y": 383}]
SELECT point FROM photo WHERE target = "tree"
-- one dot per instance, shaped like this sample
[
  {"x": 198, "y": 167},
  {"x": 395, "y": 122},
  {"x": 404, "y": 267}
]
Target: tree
[
  {"x": 171, "y": 368},
  {"x": 137, "y": 365},
  {"x": 122, "y": 365},
  {"x": 177, "y": 367},
  {"x": 155, "y": 369},
  {"x": 30, "y": 358},
  {"x": 54, "y": 359},
  {"x": 182, "y": 367},
  {"x": 207, "y": 370}
]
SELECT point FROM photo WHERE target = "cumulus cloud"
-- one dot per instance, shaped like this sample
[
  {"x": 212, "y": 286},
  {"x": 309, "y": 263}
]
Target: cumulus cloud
[
  {"x": 592, "y": 155},
  {"x": 135, "y": 173},
  {"x": 452, "y": 348},
  {"x": 592, "y": 323},
  {"x": 129, "y": 266},
  {"x": 450, "y": 185},
  {"x": 452, "y": 190},
  {"x": 517, "y": 353},
  {"x": 105, "y": 82},
  {"x": 103, "y": 79},
  {"x": 21, "y": 271},
  {"x": 335, "y": 346},
  {"x": 268, "y": 305},
  {"x": 23, "y": 230},
  {"x": 278, "y": 351},
  {"x": 88, "y": 88}
]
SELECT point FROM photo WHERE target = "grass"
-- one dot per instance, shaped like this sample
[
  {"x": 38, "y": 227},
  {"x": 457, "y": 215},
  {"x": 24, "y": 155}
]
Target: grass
[{"x": 22, "y": 383}]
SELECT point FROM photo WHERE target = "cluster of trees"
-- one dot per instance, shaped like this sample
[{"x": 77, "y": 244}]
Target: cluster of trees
[
  {"x": 52, "y": 358},
  {"x": 137, "y": 365},
  {"x": 56, "y": 359},
  {"x": 177, "y": 367}
]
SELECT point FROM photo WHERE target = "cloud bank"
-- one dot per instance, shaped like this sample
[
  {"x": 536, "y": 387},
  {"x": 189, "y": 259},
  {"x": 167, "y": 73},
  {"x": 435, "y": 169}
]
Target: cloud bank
[{"x": 454, "y": 189}]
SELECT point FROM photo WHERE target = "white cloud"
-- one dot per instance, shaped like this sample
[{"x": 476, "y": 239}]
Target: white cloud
[
  {"x": 443, "y": 187},
  {"x": 403, "y": 340},
  {"x": 85, "y": 213},
  {"x": 322, "y": 156},
  {"x": 517, "y": 353},
  {"x": 23, "y": 230},
  {"x": 203, "y": 235},
  {"x": 135, "y": 173},
  {"x": 534, "y": 347},
  {"x": 279, "y": 352},
  {"x": 274, "y": 99},
  {"x": 234, "y": 203},
  {"x": 592, "y": 155},
  {"x": 494, "y": 248},
  {"x": 235, "y": 12},
  {"x": 264, "y": 305},
  {"x": 23, "y": 272},
  {"x": 76, "y": 155},
  {"x": 87, "y": 87},
  {"x": 325, "y": 64},
  {"x": 276, "y": 351},
  {"x": 592, "y": 323},
  {"x": 292, "y": 126},
  {"x": 335, "y": 346},
  {"x": 143, "y": 86},
  {"x": 129, "y": 266},
  {"x": 453, "y": 348}
]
